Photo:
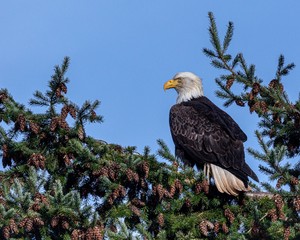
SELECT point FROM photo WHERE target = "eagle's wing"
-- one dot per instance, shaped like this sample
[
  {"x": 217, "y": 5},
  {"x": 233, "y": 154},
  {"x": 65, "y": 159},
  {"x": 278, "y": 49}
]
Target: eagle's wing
[{"x": 203, "y": 135}]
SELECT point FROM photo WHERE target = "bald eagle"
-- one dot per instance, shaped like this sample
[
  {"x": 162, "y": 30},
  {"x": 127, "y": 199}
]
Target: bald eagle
[{"x": 206, "y": 136}]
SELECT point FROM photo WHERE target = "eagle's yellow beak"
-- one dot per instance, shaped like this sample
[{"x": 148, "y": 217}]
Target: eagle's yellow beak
[{"x": 171, "y": 84}]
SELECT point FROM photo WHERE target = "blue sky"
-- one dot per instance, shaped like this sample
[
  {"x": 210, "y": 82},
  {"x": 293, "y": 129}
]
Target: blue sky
[{"x": 123, "y": 51}]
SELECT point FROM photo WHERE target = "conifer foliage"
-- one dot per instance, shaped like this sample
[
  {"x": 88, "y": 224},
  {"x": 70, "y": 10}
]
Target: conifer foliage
[{"x": 60, "y": 183}]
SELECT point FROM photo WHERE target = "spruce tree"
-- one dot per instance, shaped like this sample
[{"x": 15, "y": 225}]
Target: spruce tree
[{"x": 60, "y": 183}]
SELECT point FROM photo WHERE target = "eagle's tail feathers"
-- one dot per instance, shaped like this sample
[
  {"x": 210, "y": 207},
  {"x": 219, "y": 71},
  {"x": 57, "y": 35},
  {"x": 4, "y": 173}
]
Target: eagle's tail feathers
[{"x": 226, "y": 182}]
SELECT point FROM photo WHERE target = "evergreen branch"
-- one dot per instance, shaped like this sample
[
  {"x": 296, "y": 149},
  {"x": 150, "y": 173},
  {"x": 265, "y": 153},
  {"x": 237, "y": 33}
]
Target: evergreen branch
[
  {"x": 209, "y": 53},
  {"x": 214, "y": 38},
  {"x": 228, "y": 37}
]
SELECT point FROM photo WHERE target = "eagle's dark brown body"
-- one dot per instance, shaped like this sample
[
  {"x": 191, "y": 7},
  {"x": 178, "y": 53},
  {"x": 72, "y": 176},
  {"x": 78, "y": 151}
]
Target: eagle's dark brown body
[{"x": 203, "y": 133}]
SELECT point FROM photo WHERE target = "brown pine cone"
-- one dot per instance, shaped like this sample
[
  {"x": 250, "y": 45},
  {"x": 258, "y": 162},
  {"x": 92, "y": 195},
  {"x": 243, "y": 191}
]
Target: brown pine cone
[
  {"x": 278, "y": 201},
  {"x": 225, "y": 228},
  {"x": 65, "y": 224},
  {"x": 279, "y": 183},
  {"x": 273, "y": 215},
  {"x": 122, "y": 191},
  {"x": 89, "y": 234},
  {"x": 216, "y": 227},
  {"x": 198, "y": 188},
  {"x": 137, "y": 202},
  {"x": 203, "y": 228},
  {"x": 160, "y": 220},
  {"x": 6, "y": 232},
  {"x": 80, "y": 132},
  {"x": 205, "y": 186},
  {"x": 239, "y": 102},
  {"x": 54, "y": 124},
  {"x": 72, "y": 111},
  {"x": 145, "y": 168},
  {"x": 13, "y": 226},
  {"x": 29, "y": 225},
  {"x": 129, "y": 174},
  {"x": 296, "y": 203},
  {"x": 135, "y": 210},
  {"x": 287, "y": 233},
  {"x": 178, "y": 185},
  {"x": 294, "y": 181},
  {"x": 20, "y": 123},
  {"x": 38, "y": 222},
  {"x": 256, "y": 88},
  {"x": 63, "y": 88},
  {"x": 98, "y": 233},
  {"x": 93, "y": 115},
  {"x": 172, "y": 190},
  {"x": 160, "y": 191},
  {"x": 229, "y": 83},
  {"x": 54, "y": 222},
  {"x": 64, "y": 111},
  {"x": 229, "y": 215},
  {"x": 34, "y": 127},
  {"x": 58, "y": 93}
]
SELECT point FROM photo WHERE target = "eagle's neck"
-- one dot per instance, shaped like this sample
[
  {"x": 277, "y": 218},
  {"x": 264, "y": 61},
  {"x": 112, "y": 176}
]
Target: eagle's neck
[{"x": 188, "y": 94}]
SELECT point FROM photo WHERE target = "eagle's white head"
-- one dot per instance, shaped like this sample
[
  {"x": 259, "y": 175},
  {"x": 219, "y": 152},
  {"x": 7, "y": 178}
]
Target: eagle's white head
[{"x": 187, "y": 84}]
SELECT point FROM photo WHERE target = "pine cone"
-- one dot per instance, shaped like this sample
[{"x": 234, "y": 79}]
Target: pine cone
[
  {"x": 29, "y": 225},
  {"x": 160, "y": 191},
  {"x": 6, "y": 232},
  {"x": 63, "y": 88},
  {"x": 3, "y": 96},
  {"x": 38, "y": 222},
  {"x": 35, "y": 128},
  {"x": 160, "y": 220},
  {"x": 198, "y": 188},
  {"x": 225, "y": 228},
  {"x": 178, "y": 185},
  {"x": 143, "y": 184},
  {"x": 172, "y": 190},
  {"x": 77, "y": 234},
  {"x": 255, "y": 88},
  {"x": 89, "y": 234},
  {"x": 145, "y": 168},
  {"x": 111, "y": 173},
  {"x": 54, "y": 222},
  {"x": 65, "y": 224},
  {"x": 294, "y": 181},
  {"x": 135, "y": 210},
  {"x": 205, "y": 186},
  {"x": 72, "y": 111},
  {"x": 279, "y": 183},
  {"x": 203, "y": 228},
  {"x": 20, "y": 123},
  {"x": 129, "y": 174},
  {"x": 273, "y": 215},
  {"x": 229, "y": 83},
  {"x": 239, "y": 102},
  {"x": 216, "y": 227},
  {"x": 137, "y": 202},
  {"x": 64, "y": 111},
  {"x": 229, "y": 215},
  {"x": 63, "y": 124},
  {"x": 54, "y": 124},
  {"x": 287, "y": 233},
  {"x": 98, "y": 233},
  {"x": 4, "y": 150},
  {"x": 93, "y": 115},
  {"x": 13, "y": 226},
  {"x": 296, "y": 203},
  {"x": 67, "y": 159},
  {"x": 278, "y": 201},
  {"x": 80, "y": 133},
  {"x": 58, "y": 93}
]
